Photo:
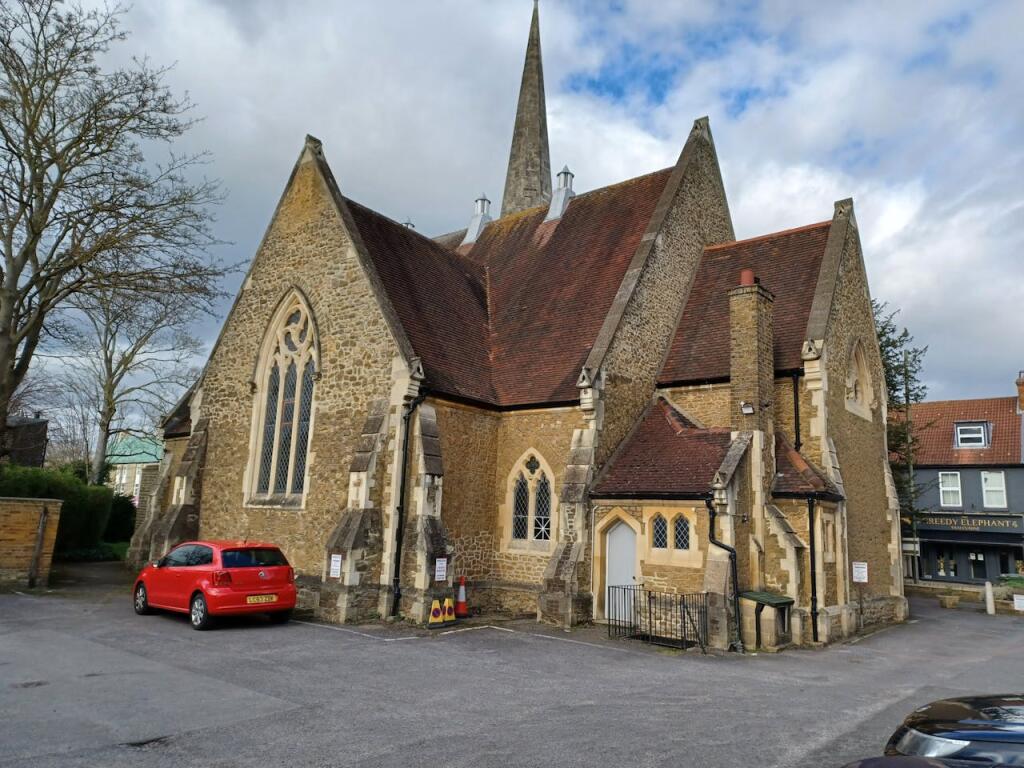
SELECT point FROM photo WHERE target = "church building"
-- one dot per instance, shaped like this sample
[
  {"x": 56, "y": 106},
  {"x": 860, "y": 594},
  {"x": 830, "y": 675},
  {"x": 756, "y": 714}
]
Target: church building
[{"x": 588, "y": 391}]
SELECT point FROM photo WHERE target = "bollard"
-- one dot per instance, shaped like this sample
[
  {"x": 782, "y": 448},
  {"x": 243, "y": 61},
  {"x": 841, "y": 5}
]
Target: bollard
[{"x": 990, "y": 600}]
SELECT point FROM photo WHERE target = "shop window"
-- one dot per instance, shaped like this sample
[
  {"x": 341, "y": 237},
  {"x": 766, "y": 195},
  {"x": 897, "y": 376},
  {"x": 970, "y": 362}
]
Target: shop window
[
  {"x": 949, "y": 489},
  {"x": 993, "y": 489},
  {"x": 681, "y": 533},
  {"x": 945, "y": 564},
  {"x": 659, "y": 533}
]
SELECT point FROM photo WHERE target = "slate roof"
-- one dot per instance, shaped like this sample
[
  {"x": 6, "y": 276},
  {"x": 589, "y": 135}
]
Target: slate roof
[
  {"x": 787, "y": 263},
  {"x": 665, "y": 456},
  {"x": 934, "y": 428},
  {"x": 26, "y": 441},
  {"x": 510, "y": 320},
  {"x": 795, "y": 476}
]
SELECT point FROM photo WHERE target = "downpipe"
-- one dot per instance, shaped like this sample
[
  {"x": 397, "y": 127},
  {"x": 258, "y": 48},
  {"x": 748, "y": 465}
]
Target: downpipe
[
  {"x": 814, "y": 570},
  {"x": 737, "y": 643},
  {"x": 396, "y": 576}
]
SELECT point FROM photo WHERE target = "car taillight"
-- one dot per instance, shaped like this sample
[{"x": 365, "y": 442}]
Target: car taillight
[
  {"x": 221, "y": 579},
  {"x": 291, "y": 575}
]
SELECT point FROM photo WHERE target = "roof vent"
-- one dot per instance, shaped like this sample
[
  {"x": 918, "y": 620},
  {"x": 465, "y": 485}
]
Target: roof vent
[
  {"x": 481, "y": 215},
  {"x": 408, "y": 223},
  {"x": 562, "y": 195}
]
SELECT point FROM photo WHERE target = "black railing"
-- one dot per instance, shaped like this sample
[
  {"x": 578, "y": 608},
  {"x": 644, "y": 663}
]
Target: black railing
[{"x": 661, "y": 618}]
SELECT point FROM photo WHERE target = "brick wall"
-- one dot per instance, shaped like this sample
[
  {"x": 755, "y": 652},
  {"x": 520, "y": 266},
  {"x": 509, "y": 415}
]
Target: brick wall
[{"x": 19, "y": 536}]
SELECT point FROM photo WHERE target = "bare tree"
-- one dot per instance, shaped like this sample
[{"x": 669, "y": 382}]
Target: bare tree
[
  {"x": 129, "y": 361},
  {"x": 81, "y": 208}
]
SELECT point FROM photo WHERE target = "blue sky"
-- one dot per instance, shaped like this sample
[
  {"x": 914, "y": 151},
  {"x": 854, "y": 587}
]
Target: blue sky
[{"x": 915, "y": 109}]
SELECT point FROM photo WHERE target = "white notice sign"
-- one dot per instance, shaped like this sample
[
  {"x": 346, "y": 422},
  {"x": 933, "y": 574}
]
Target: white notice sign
[
  {"x": 860, "y": 573},
  {"x": 1018, "y": 602},
  {"x": 335, "y": 566},
  {"x": 441, "y": 569}
]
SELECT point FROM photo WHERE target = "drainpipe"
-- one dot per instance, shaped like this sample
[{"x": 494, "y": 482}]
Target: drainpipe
[
  {"x": 400, "y": 507},
  {"x": 796, "y": 410},
  {"x": 814, "y": 571},
  {"x": 737, "y": 644}
]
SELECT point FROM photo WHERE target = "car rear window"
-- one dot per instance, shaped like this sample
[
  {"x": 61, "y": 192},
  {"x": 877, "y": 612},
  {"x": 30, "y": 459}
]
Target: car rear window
[{"x": 252, "y": 557}]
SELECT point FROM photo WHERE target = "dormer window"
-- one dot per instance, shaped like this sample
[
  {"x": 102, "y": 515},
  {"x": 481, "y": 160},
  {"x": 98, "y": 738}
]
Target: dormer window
[{"x": 972, "y": 435}]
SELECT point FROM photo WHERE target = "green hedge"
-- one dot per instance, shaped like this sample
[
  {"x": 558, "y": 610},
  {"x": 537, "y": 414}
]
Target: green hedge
[
  {"x": 86, "y": 508},
  {"x": 121, "y": 524}
]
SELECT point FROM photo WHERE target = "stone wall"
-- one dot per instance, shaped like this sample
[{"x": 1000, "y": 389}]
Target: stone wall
[
  {"x": 25, "y": 557},
  {"x": 698, "y": 216},
  {"x": 481, "y": 449},
  {"x": 307, "y": 249},
  {"x": 861, "y": 443}
]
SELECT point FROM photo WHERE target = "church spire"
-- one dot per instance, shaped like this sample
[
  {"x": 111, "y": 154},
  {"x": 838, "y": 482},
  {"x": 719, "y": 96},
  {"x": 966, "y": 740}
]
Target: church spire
[{"x": 528, "y": 179}]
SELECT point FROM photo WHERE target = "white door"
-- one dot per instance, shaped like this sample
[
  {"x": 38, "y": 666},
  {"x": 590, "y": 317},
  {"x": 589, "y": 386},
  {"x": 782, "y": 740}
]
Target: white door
[{"x": 620, "y": 570}]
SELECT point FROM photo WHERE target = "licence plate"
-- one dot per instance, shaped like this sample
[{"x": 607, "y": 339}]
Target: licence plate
[{"x": 261, "y": 599}]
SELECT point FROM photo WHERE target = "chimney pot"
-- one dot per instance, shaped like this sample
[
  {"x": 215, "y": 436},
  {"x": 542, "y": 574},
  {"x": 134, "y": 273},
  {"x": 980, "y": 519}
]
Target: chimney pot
[
  {"x": 483, "y": 205},
  {"x": 747, "y": 277},
  {"x": 563, "y": 194},
  {"x": 481, "y": 217}
]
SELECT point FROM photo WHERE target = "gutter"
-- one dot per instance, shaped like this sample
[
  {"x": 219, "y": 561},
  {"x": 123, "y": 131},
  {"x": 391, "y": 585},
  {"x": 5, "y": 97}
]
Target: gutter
[
  {"x": 737, "y": 644},
  {"x": 814, "y": 569},
  {"x": 410, "y": 408}
]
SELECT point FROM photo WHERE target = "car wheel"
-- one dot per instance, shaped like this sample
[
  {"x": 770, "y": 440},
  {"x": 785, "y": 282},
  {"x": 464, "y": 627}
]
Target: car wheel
[
  {"x": 141, "y": 601},
  {"x": 280, "y": 617},
  {"x": 198, "y": 613}
]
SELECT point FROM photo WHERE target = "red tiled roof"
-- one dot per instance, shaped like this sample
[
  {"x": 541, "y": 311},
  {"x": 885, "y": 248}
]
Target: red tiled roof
[
  {"x": 787, "y": 264},
  {"x": 664, "y": 456},
  {"x": 934, "y": 428},
  {"x": 510, "y": 320},
  {"x": 440, "y": 299},
  {"x": 795, "y": 475}
]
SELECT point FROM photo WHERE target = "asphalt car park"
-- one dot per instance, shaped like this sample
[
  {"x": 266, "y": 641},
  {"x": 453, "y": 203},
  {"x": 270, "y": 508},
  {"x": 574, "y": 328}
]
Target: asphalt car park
[{"x": 86, "y": 682}]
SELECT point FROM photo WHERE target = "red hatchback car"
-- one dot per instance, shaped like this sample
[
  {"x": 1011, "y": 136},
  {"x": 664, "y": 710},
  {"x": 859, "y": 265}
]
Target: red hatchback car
[{"x": 218, "y": 578}]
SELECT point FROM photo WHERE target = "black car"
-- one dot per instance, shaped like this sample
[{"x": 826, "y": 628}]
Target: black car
[{"x": 979, "y": 729}]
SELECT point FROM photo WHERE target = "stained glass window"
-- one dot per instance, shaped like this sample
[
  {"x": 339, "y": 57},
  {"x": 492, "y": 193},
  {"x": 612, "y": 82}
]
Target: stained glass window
[
  {"x": 286, "y": 407},
  {"x": 542, "y": 511},
  {"x": 521, "y": 509},
  {"x": 659, "y": 533},
  {"x": 682, "y": 533}
]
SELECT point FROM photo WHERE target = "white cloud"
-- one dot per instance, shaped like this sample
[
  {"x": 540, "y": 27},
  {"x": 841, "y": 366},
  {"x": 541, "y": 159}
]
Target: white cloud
[{"x": 917, "y": 112}]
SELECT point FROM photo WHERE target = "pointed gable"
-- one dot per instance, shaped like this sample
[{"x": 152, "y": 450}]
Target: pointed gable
[{"x": 788, "y": 264}]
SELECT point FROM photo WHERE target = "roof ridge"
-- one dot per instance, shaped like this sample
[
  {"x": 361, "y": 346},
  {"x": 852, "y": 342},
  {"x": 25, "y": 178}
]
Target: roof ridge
[
  {"x": 965, "y": 400},
  {"x": 578, "y": 195},
  {"x": 780, "y": 233}
]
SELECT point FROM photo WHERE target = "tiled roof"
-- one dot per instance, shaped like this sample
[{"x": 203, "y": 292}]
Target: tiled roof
[
  {"x": 787, "y": 263},
  {"x": 934, "y": 428},
  {"x": 663, "y": 457},
  {"x": 795, "y": 475},
  {"x": 441, "y": 301},
  {"x": 510, "y": 320}
]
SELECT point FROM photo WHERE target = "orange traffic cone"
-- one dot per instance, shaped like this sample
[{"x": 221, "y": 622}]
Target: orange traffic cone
[{"x": 461, "y": 607}]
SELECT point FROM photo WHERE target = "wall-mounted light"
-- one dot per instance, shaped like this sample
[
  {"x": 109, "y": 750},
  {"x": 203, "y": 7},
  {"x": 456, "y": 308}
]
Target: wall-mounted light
[{"x": 747, "y": 409}]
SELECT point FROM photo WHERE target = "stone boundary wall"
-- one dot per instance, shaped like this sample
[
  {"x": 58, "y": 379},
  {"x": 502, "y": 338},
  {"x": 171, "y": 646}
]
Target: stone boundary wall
[{"x": 24, "y": 559}]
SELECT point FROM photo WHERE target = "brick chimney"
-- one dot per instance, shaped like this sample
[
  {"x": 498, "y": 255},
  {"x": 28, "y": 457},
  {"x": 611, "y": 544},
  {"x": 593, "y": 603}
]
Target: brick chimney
[
  {"x": 1020, "y": 392},
  {"x": 751, "y": 356}
]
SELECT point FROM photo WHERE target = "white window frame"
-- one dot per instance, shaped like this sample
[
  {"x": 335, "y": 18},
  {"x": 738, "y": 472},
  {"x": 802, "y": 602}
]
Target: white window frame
[
  {"x": 983, "y": 435},
  {"x": 943, "y": 489},
  {"x": 986, "y": 476},
  {"x": 533, "y": 480}
]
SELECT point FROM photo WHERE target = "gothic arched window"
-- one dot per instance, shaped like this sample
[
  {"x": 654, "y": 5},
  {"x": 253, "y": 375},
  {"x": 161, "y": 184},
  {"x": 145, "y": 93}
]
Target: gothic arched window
[
  {"x": 531, "y": 500},
  {"x": 659, "y": 533},
  {"x": 285, "y": 386},
  {"x": 860, "y": 397},
  {"x": 681, "y": 533}
]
